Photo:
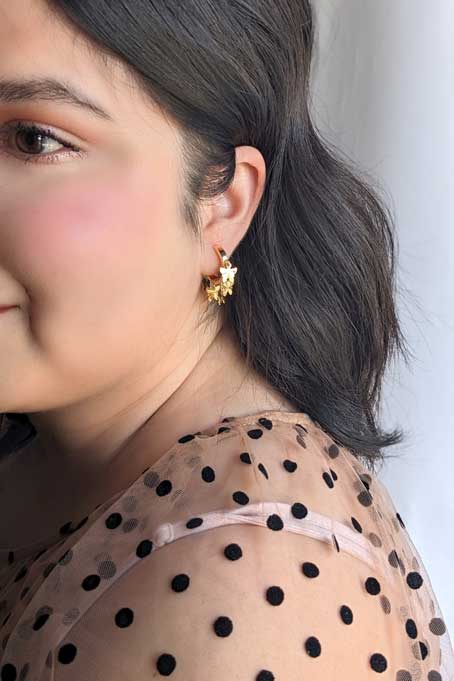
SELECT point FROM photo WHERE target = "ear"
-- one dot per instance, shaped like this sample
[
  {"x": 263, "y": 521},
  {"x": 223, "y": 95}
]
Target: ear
[{"x": 227, "y": 218}]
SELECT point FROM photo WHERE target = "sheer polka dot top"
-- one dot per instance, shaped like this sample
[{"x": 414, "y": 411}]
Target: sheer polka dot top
[{"x": 255, "y": 550}]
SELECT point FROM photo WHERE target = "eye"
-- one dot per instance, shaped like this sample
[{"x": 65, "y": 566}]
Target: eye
[{"x": 32, "y": 137}]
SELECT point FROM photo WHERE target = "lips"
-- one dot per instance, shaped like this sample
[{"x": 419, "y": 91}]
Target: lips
[{"x": 6, "y": 307}]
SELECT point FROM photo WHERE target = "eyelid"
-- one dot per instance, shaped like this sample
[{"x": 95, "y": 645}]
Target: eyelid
[
  {"x": 69, "y": 149},
  {"x": 22, "y": 123}
]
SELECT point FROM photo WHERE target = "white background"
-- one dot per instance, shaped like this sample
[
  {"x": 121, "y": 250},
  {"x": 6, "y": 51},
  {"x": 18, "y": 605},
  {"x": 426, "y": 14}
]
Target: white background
[{"x": 383, "y": 91}]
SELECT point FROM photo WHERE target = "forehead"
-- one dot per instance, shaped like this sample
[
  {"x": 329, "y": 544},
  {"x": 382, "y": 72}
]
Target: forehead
[{"x": 36, "y": 43}]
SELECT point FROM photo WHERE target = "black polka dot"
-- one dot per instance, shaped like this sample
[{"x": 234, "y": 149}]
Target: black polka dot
[
  {"x": 240, "y": 497},
  {"x": 299, "y": 510},
  {"x": 393, "y": 558},
  {"x": 437, "y": 626},
  {"x": 404, "y": 675},
  {"x": 333, "y": 474},
  {"x": 327, "y": 478},
  {"x": 434, "y": 676},
  {"x": 151, "y": 479},
  {"x": 265, "y": 675},
  {"x": 263, "y": 470},
  {"x": 300, "y": 436},
  {"x": 124, "y": 617},
  {"x": 423, "y": 649},
  {"x": 66, "y": 529},
  {"x": 266, "y": 423},
  {"x": 385, "y": 604},
  {"x": 81, "y": 523},
  {"x": 255, "y": 433},
  {"x": 400, "y": 520},
  {"x": 245, "y": 458},
  {"x": 40, "y": 621},
  {"x": 233, "y": 552},
  {"x": 378, "y": 662},
  {"x": 274, "y": 522},
  {"x": 335, "y": 542},
  {"x": 194, "y": 522},
  {"x": 364, "y": 498},
  {"x": 91, "y": 582},
  {"x": 21, "y": 574},
  {"x": 180, "y": 582},
  {"x": 67, "y": 653},
  {"x": 372, "y": 586},
  {"x": 144, "y": 548},
  {"x": 374, "y": 539},
  {"x": 223, "y": 626},
  {"x": 48, "y": 569},
  {"x": 356, "y": 525},
  {"x": 223, "y": 429},
  {"x": 208, "y": 474},
  {"x": 186, "y": 438},
  {"x": 114, "y": 521},
  {"x": 107, "y": 569},
  {"x": 274, "y": 595},
  {"x": 414, "y": 580},
  {"x": 166, "y": 664},
  {"x": 312, "y": 646},
  {"x": 290, "y": 466},
  {"x": 8, "y": 672},
  {"x": 310, "y": 569},
  {"x": 66, "y": 557},
  {"x": 333, "y": 451},
  {"x": 346, "y": 614},
  {"x": 164, "y": 487},
  {"x": 411, "y": 628},
  {"x": 365, "y": 480},
  {"x": 130, "y": 524}
]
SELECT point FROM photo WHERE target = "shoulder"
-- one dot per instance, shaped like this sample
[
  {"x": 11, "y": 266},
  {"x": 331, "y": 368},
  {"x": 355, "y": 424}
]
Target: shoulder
[
  {"x": 260, "y": 553},
  {"x": 238, "y": 601},
  {"x": 253, "y": 571}
]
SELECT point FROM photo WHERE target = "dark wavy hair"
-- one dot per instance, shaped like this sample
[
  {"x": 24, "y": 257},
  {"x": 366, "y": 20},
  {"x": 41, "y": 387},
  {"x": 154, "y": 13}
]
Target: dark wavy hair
[{"x": 313, "y": 308}]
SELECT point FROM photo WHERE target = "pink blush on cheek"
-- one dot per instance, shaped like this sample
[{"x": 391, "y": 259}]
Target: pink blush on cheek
[
  {"x": 100, "y": 236},
  {"x": 83, "y": 218}
]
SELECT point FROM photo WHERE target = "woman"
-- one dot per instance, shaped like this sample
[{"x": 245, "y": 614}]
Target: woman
[{"x": 201, "y": 312}]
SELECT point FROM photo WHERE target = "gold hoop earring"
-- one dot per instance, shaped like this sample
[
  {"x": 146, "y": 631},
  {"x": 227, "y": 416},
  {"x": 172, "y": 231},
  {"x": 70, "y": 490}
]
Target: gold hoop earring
[{"x": 218, "y": 287}]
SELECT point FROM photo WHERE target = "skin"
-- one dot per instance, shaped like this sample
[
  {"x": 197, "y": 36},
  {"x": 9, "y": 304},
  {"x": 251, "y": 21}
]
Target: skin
[{"x": 104, "y": 350}]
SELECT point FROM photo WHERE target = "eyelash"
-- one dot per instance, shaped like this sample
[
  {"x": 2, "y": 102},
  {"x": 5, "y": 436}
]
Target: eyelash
[{"x": 44, "y": 132}]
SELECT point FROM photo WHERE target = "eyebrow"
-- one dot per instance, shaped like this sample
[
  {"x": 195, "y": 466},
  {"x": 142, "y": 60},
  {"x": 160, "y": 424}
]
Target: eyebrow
[{"x": 48, "y": 89}]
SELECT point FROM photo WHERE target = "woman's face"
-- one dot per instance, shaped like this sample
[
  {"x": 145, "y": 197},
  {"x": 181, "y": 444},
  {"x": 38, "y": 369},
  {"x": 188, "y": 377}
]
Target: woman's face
[{"x": 92, "y": 249}]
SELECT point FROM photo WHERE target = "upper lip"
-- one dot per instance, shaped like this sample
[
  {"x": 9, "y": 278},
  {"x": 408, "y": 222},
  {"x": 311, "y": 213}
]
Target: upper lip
[{"x": 2, "y": 307}]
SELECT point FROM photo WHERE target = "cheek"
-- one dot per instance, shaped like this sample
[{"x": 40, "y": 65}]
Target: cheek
[
  {"x": 90, "y": 232},
  {"x": 105, "y": 255},
  {"x": 83, "y": 225}
]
